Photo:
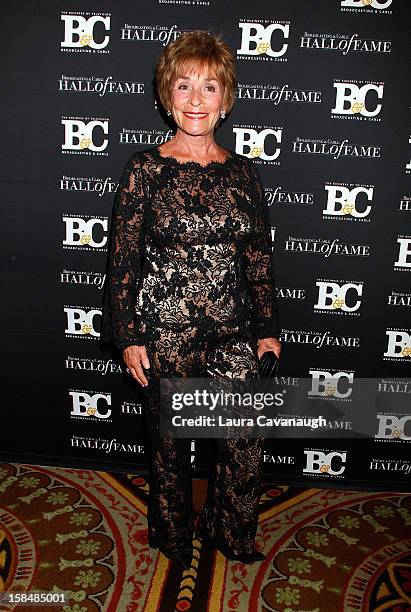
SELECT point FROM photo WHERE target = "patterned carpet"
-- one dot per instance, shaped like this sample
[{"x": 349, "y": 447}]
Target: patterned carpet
[{"x": 84, "y": 533}]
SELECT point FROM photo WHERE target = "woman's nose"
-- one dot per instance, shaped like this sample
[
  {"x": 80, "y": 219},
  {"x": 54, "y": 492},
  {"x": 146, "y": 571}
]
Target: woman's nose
[{"x": 195, "y": 98}]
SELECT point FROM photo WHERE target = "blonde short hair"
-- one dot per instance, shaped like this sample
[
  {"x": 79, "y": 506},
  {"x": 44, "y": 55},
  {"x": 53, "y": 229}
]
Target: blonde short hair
[{"x": 196, "y": 50}]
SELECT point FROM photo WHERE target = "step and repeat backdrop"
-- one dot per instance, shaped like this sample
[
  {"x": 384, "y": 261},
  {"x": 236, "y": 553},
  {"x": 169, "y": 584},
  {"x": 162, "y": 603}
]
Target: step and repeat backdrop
[{"x": 322, "y": 109}]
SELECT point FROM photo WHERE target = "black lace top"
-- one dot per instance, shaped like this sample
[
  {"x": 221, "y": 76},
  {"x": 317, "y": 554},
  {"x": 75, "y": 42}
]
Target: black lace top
[{"x": 190, "y": 245}]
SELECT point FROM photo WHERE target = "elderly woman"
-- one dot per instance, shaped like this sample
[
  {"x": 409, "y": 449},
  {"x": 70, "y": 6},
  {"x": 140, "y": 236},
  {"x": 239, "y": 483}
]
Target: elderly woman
[{"x": 190, "y": 293}]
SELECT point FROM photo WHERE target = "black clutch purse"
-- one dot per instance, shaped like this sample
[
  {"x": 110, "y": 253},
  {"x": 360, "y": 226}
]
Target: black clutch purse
[{"x": 268, "y": 365}]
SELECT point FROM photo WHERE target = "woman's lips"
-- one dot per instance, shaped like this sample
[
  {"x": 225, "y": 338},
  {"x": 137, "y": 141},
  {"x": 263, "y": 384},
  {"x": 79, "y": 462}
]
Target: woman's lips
[{"x": 195, "y": 115}]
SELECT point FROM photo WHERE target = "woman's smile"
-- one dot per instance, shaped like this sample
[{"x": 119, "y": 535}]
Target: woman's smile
[{"x": 191, "y": 115}]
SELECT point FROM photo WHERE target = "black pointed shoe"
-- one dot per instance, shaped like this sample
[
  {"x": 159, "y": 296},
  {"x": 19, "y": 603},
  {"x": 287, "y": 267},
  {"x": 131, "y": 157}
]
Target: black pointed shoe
[
  {"x": 246, "y": 558},
  {"x": 183, "y": 558},
  {"x": 256, "y": 555}
]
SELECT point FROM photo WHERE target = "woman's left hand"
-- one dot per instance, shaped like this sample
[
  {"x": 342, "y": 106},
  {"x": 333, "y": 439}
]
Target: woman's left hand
[{"x": 268, "y": 344}]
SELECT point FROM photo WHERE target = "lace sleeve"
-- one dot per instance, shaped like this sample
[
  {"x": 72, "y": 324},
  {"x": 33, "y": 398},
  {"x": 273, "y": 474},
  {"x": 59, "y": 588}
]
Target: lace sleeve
[
  {"x": 123, "y": 262},
  {"x": 258, "y": 266}
]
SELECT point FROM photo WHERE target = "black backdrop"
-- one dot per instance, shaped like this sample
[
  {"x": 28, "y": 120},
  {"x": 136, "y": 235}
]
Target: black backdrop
[{"x": 323, "y": 109}]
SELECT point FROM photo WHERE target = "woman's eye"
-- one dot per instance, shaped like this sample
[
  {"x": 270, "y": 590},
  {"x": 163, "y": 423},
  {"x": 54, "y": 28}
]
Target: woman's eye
[
  {"x": 183, "y": 86},
  {"x": 210, "y": 88}
]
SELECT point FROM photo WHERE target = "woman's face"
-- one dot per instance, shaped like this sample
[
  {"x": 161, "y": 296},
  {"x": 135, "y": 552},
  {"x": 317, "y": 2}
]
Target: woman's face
[{"x": 196, "y": 102}]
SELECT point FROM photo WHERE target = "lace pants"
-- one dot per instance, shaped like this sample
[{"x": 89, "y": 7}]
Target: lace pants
[{"x": 230, "y": 513}]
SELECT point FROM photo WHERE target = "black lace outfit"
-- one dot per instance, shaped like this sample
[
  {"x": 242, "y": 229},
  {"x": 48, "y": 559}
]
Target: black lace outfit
[{"x": 190, "y": 277}]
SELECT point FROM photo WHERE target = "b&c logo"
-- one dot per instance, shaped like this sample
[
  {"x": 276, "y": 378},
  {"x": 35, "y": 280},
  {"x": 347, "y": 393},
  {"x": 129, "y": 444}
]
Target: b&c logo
[
  {"x": 333, "y": 296},
  {"x": 82, "y": 233},
  {"x": 326, "y": 384},
  {"x": 80, "y": 135},
  {"x": 325, "y": 464},
  {"x": 399, "y": 344},
  {"x": 79, "y": 31},
  {"x": 256, "y": 39},
  {"x": 253, "y": 143},
  {"x": 342, "y": 201},
  {"x": 351, "y": 99},
  {"x": 81, "y": 322},
  {"x": 392, "y": 427},
  {"x": 404, "y": 253},
  {"x": 90, "y": 406}
]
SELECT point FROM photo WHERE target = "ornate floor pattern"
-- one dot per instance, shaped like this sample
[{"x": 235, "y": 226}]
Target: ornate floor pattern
[{"x": 84, "y": 533}]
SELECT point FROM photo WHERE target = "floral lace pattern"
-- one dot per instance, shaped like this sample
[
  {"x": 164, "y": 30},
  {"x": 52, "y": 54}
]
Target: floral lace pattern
[
  {"x": 190, "y": 277},
  {"x": 190, "y": 245},
  {"x": 230, "y": 514}
]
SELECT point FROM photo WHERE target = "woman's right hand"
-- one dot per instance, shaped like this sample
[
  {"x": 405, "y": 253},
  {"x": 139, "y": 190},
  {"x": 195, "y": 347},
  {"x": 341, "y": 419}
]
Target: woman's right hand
[{"x": 135, "y": 357}]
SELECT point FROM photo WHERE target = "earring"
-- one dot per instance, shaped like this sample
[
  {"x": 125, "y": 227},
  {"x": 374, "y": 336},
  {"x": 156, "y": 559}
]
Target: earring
[
  {"x": 222, "y": 114},
  {"x": 169, "y": 113}
]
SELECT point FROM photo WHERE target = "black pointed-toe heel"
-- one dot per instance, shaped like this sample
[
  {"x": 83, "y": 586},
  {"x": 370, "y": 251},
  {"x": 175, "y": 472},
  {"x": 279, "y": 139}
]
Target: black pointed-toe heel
[
  {"x": 256, "y": 555},
  {"x": 183, "y": 558}
]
